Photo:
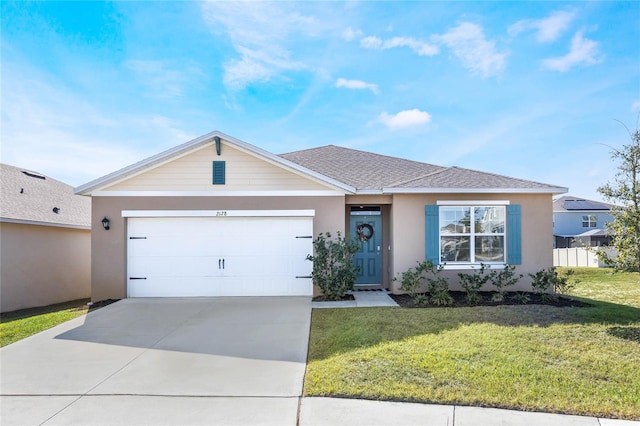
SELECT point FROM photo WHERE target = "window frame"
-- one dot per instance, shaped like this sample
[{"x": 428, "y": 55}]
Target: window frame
[
  {"x": 591, "y": 221},
  {"x": 472, "y": 205}
]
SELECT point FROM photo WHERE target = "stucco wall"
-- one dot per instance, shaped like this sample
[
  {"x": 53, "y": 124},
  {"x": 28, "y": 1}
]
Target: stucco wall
[
  {"x": 408, "y": 232},
  {"x": 108, "y": 275},
  {"x": 43, "y": 265}
]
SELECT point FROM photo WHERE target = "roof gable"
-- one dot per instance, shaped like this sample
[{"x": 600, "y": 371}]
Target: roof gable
[
  {"x": 31, "y": 197},
  {"x": 187, "y": 167}
]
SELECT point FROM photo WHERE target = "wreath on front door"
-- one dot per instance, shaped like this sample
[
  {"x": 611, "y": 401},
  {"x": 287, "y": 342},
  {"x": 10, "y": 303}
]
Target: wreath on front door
[{"x": 364, "y": 231}]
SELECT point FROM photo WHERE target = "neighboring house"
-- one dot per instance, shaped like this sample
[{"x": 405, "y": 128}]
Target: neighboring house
[
  {"x": 217, "y": 216},
  {"x": 45, "y": 241},
  {"x": 578, "y": 222}
]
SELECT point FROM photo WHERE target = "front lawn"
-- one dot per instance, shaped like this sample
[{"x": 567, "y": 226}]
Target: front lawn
[
  {"x": 542, "y": 358},
  {"x": 18, "y": 325}
]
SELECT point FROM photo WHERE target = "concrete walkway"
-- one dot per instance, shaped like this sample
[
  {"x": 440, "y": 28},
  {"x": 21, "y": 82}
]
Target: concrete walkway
[
  {"x": 224, "y": 361},
  {"x": 363, "y": 299}
]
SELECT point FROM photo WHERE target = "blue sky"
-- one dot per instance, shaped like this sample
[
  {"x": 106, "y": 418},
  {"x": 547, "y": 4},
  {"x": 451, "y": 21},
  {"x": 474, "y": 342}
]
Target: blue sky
[{"x": 525, "y": 89}]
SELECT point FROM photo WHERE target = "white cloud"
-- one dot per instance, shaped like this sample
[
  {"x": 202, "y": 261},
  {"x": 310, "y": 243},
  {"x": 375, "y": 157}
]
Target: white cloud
[
  {"x": 356, "y": 84},
  {"x": 371, "y": 42},
  {"x": 635, "y": 106},
  {"x": 48, "y": 127},
  {"x": 260, "y": 33},
  {"x": 468, "y": 43},
  {"x": 161, "y": 79},
  {"x": 350, "y": 34},
  {"x": 407, "y": 118},
  {"x": 548, "y": 29},
  {"x": 583, "y": 52},
  {"x": 420, "y": 47}
]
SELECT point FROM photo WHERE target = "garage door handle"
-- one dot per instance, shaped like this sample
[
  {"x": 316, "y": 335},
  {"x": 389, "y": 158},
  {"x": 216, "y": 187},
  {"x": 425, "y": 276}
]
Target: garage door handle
[
  {"x": 137, "y": 238},
  {"x": 304, "y": 276},
  {"x": 220, "y": 263},
  {"x": 137, "y": 278},
  {"x": 305, "y": 236}
]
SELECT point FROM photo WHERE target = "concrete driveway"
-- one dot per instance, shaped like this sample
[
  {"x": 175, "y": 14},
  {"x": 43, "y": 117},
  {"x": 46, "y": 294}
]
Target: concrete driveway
[{"x": 162, "y": 361}]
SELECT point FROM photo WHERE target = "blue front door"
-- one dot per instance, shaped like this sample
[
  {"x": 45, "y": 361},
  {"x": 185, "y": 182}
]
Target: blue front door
[{"x": 366, "y": 226}]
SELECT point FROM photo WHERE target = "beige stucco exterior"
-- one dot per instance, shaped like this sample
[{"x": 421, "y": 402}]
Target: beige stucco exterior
[
  {"x": 42, "y": 265},
  {"x": 408, "y": 229}
]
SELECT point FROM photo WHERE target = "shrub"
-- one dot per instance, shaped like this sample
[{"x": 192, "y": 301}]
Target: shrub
[
  {"x": 473, "y": 282},
  {"x": 565, "y": 281},
  {"x": 333, "y": 269},
  {"x": 438, "y": 287},
  {"x": 503, "y": 279},
  {"x": 543, "y": 281},
  {"x": 522, "y": 297},
  {"x": 412, "y": 281}
]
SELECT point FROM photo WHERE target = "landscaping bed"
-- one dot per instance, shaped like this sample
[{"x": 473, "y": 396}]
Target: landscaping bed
[{"x": 488, "y": 299}]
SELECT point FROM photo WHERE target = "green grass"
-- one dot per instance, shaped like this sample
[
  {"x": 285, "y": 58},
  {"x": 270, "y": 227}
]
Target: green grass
[
  {"x": 541, "y": 358},
  {"x": 18, "y": 325}
]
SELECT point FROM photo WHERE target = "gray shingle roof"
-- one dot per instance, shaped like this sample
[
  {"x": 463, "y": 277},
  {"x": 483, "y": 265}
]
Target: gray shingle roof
[
  {"x": 570, "y": 203},
  {"x": 369, "y": 171},
  {"x": 360, "y": 169},
  {"x": 32, "y": 197}
]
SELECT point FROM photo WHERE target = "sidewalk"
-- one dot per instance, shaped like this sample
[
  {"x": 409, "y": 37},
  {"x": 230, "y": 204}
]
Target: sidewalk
[{"x": 337, "y": 412}]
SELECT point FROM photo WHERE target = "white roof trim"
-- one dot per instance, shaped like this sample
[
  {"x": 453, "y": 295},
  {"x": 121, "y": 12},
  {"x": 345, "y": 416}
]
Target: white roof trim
[
  {"x": 38, "y": 223},
  {"x": 473, "y": 202},
  {"x": 218, "y": 213},
  {"x": 180, "y": 150},
  {"x": 218, "y": 193},
  {"x": 552, "y": 190}
]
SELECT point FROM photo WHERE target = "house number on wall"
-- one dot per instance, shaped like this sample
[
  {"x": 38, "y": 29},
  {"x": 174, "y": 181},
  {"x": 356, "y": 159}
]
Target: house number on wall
[{"x": 221, "y": 213}]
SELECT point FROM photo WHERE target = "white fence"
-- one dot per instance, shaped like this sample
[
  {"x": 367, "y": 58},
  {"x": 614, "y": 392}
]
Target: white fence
[{"x": 578, "y": 256}]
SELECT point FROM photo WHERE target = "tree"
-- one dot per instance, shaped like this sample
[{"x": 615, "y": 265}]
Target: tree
[{"x": 624, "y": 192}]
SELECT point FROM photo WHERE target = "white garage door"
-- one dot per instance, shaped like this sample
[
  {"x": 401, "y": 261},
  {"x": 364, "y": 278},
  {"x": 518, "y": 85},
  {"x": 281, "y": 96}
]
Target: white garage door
[{"x": 219, "y": 256}]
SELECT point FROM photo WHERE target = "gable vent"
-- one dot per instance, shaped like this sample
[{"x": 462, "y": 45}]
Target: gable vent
[{"x": 219, "y": 172}]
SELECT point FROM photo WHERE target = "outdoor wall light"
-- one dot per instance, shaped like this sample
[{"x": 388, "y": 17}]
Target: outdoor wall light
[
  {"x": 217, "y": 141},
  {"x": 106, "y": 223}
]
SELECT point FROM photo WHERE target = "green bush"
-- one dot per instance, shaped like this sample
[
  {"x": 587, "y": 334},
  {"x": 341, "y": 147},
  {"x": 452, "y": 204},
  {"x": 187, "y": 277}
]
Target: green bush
[
  {"x": 545, "y": 280},
  {"x": 333, "y": 269},
  {"x": 503, "y": 279},
  {"x": 565, "y": 282},
  {"x": 438, "y": 286},
  {"x": 471, "y": 283},
  {"x": 413, "y": 281}
]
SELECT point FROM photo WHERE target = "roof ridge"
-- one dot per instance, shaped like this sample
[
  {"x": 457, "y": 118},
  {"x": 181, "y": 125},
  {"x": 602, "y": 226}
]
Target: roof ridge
[
  {"x": 362, "y": 152},
  {"x": 442, "y": 169}
]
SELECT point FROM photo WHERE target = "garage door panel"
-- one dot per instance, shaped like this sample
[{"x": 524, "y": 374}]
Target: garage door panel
[
  {"x": 175, "y": 266},
  {"x": 173, "y": 246},
  {"x": 182, "y": 257}
]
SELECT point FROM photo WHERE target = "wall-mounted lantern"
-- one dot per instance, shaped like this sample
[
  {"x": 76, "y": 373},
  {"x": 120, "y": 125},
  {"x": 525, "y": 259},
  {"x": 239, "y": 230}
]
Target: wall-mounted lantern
[
  {"x": 218, "y": 147},
  {"x": 106, "y": 223}
]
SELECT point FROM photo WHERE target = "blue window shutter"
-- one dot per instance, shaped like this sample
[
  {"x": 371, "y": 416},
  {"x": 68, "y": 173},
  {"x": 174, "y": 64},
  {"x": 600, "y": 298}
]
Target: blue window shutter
[
  {"x": 514, "y": 234},
  {"x": 432, "y": 234},
  {"x": 218, "y": 172}
]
